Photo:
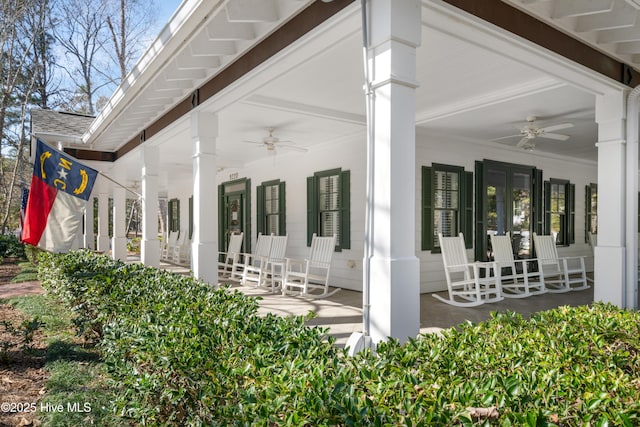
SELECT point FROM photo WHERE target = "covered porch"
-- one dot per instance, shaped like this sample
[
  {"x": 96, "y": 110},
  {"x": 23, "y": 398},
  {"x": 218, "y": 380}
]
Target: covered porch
[{"x": 203, "y": 123}]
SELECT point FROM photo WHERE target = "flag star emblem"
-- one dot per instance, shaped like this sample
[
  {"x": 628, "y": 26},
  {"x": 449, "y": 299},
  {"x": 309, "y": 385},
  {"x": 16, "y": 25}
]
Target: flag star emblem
[{"x": 62, "y": 173}]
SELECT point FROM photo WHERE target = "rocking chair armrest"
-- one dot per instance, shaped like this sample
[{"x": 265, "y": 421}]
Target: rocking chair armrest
[{"x": 295, "y": 261}]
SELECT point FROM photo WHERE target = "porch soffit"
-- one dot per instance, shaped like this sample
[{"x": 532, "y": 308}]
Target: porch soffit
[
  {"x": 184, "y": 56},
  {"x": 610, "y": 26}
]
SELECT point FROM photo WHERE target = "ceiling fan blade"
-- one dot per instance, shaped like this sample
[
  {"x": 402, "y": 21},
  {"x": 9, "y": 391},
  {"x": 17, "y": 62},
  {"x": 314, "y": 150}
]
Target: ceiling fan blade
[
  {"x": 523, "y": 142},
  {"x": 253, "y": 142},
  {"x": 556, "y": 136},
  {"x": 293, "y": 147},
  {"x": 505, "y": 137},
  {"x": 556, "y": 127}
]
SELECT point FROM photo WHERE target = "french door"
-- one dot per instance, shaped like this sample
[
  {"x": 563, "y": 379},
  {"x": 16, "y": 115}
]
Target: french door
[
  {"x": 508, "y": 197},
  {"x": 233, "y": 218}
]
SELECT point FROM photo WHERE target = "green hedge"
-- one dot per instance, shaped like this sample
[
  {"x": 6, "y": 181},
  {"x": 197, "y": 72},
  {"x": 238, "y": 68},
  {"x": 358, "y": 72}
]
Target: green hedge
[
  {"x": 11, "y": 247},
  {"x": 183, "y": 353}
]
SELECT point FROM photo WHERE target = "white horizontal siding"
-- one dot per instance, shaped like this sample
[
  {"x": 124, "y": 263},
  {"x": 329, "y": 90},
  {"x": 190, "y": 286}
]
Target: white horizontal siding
[{"x": 294, "y": 168}]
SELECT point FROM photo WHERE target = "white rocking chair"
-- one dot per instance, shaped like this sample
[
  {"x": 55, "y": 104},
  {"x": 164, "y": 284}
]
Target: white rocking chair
[
  {"x": 557, "y": 271},
  {"x": 169, "y": 245},
  {"x": 277, "y": 261},
  {"x": 179, "y": 250},
  {"x": 230, "y": 266},
  {"x": 519, "y": 282},
  {"x": 464, "y": 279},
  {"x": 313, "y": 272},
  {"x": 255, "y": 265}
]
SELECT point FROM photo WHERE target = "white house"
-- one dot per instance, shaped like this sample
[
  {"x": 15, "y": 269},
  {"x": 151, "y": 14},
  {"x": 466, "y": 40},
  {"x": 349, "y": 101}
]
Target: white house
[{"x": 242, "y": 104}]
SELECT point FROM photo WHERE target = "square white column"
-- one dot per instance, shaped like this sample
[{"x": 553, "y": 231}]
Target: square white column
[
  {"x": 89, "y": 235},
  {"x": 103, "y": 221},
  {"x": 204, "y": 246},
  {"x": 150, "y": 245},
  {"x": 394, "y": 268},
  {"x": 609, "y": 263},
  {"x": 119, "y": 240}
]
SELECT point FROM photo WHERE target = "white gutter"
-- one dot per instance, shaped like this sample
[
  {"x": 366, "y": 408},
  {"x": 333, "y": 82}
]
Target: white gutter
[
  {"x": 360, "y": 341},
  {"x": 631, "y": 286},
  {"x": 171, "y": 38}
]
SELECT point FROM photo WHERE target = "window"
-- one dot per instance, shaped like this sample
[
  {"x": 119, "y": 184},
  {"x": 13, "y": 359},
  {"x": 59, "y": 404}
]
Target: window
[
  {"x": 447, "y": 198},
  {"x": 591, "y": 210},
  {"x": 328, "y": 206},
  {"x": 174, "y": 215},
  {"x": 559, "y": 211},
  {"x": 270, "y": 208}
]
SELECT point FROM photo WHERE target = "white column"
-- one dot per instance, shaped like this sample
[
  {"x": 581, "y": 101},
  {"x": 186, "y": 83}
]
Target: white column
[
  {"x": 204, "y": 247},
  {"x": 119, "y": 240},
  {"x": 394, "y": 268},
  {"x": 150, "y": 245},
  {"x": 88, "y": 226},
  {"x": 609, "y": 271},
  {"x": 103, "y": 221},
  {"x": 633, "y": 109}
]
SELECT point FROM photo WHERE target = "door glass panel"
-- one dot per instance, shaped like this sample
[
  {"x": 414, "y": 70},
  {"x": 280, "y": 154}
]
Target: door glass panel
[
  {"x": 508, "y": 192},
  {"x": 496, "y": 192},
  {"x": 521, "y": 213}
]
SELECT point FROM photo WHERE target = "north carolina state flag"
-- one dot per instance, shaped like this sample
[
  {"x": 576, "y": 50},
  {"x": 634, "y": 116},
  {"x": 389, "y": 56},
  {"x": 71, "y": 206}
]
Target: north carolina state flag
[{"x": 60, "y": 188}]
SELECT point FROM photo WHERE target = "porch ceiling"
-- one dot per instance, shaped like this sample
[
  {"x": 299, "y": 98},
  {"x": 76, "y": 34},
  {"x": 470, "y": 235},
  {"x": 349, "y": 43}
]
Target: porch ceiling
[
  {"x": 470, "y": 88},
  {"x": 612, "y": 26}
]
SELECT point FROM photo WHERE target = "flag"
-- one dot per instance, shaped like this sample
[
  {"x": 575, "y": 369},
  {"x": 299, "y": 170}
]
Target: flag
[
  {"x": 60, "y": 188},
  {"x": 23, "y": 208}
]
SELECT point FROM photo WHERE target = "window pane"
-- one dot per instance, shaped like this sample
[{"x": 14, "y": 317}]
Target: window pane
[
  {"x": 271, "y": 197},
  {"x": 330, "y": 224},
  {"x": 273, "y": 225},
  {"x": 444, "y": 222}
]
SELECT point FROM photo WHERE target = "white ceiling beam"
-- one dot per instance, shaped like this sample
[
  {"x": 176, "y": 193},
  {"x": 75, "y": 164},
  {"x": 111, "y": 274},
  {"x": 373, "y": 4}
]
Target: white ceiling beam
[
  {"x": 168, "y": 95},
  {"x": 252, "y": 11},
  {"x": 173, "y": 74},
  {"x": 619, "y": 35},
  {"x": 221, "y": 29},
  {"x": 488, "y": 99},
  {"x": 621, "y": 16},
  {"x": 306, "y": 109},
  {"x": 571, "y": 8},
  {"x": 214, "y": 48},
  {"x": 628, "y": 47},
  {"x": 186, "y": 61}
]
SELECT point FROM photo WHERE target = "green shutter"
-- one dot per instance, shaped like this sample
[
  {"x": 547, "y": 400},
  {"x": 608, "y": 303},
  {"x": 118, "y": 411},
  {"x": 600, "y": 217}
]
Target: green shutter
[
  {"x": 427, "y": 208},
  {"x": 282, "y": 209},
  {"x": 538, "y": 197},
  {"x": 345, "y": 210},
  {"x": 467, "y": 205},
  {"x": 480, "y": 252},
  {"x": 587, "y": 212},
  {"x": 547, "y": 208},
  {"x": 312, "y": 209},
  {"x": 170, "y": 216},
  {"x": 247, "y": 217},
  {"x": 572, "y": 213},
  {"x": 222, "y": 244},
  {"x": 260, "y": 219}
]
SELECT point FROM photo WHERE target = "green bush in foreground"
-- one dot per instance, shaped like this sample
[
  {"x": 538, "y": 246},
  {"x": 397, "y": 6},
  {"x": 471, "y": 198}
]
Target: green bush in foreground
[{"x": 182, "y": 353}]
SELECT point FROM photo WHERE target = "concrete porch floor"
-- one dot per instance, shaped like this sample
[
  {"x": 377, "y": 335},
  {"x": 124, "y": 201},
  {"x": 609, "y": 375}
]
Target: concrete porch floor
[{"x": 342, "y": 312}]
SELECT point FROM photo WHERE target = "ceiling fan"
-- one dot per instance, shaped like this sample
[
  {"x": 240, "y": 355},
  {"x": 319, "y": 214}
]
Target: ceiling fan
[
  {"x": 271, "y": 142},
  {"x": 530, "y": 131}
]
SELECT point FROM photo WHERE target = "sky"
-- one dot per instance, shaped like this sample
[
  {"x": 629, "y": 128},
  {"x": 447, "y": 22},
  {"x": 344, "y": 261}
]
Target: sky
[{"x": 166, "y": 9}]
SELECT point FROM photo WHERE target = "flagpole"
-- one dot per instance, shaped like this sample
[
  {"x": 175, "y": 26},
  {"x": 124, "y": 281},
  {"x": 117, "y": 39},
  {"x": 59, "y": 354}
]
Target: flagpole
[{"x": 121, "y": 185}]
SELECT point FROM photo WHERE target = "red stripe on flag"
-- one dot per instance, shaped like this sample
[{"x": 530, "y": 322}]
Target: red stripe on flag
[{"x": 41, "y": 198}]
